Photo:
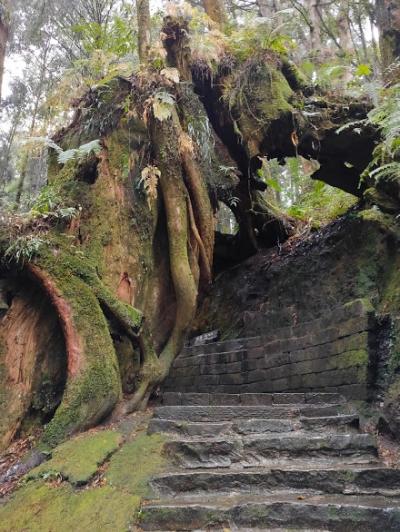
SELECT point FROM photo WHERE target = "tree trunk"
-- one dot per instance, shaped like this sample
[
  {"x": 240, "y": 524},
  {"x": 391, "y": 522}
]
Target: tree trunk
[
  {"x": 144, "y": 30},
  {"x": 4, "y": 32},
  {"x": 266, "y": 8},
  {"x": 388, "y": 21},
  {"x": 31, "y": 131},
  {"x": 314, "y": 25},
  {"x": 215, "y": 9}
]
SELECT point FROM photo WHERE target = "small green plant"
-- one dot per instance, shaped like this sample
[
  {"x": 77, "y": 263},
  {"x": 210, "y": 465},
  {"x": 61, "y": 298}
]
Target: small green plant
[
  {"x": 149, "y": 180},
  {"x": 49, "y": 204},
  {"x": 93, "y": 147},
  {"x": 163, "y": 104},
  {"x": 64, "y": 156},
  {"x": 386, "y": 157},
  {"x": 262, "y": 34},
  {"x": 23, "y": 249}
]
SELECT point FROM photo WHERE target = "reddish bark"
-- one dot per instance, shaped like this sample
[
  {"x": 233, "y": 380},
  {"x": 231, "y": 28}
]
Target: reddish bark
[{"x": 72, "y": 339}]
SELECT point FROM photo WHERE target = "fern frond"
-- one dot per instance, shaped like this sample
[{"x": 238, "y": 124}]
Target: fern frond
[{"x": 351, "y": 125}]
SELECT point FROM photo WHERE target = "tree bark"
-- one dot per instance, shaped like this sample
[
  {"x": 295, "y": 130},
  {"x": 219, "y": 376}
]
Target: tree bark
[
  {"x": 144, "y": 29},
  {"x": 388, "y": 21},
  {"x": 314, "y": 25}
]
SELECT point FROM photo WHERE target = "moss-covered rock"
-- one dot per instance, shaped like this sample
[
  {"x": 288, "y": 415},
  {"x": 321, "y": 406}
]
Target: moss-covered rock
[
  {"x": 256, "y": 95},
  {"x": 78, "y": 459},
  {"x": 132, "y": 467},
  {"x": 41, "y": 507},
  {"x": 52, "y": 497}
]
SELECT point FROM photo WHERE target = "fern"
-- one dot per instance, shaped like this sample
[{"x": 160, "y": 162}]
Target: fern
[
  {"x": 64, "y": 157},
  {"x": 386, "y": 117},
  {"x": 23, "y": 249},
  {"x": 93, "y": 147},
  {"x": 385, "y": 164},
  {"x": 354, "y": 125},
  {"x": 387, "y": 171}
]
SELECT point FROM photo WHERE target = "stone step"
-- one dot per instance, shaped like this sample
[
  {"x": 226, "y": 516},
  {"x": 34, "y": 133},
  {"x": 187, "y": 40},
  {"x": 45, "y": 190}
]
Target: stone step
[
  {"x": 348, "y": 480},
  {"x": 342, "y": 513},
  {"x": 246, "y": 399},
  {"x": 340, "y": 423},
  {"x": 227, "y": 413},
  {"x": 266, "y": 448}
]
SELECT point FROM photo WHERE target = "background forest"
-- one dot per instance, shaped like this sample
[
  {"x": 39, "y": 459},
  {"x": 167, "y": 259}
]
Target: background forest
[{"x": 57, "y": 50}]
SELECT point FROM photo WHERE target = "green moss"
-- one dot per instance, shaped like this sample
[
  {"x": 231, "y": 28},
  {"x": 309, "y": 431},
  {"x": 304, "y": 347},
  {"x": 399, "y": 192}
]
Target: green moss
[
  {"x": 136, "y": 462},
  {"x": 354, "y": 358},
  {"x": 363, "y": 304},
  {"x": 257, "y": 94},
  {"x": 39, "y": 507},
  {"x": 78, "y": 459},
  {"x": 93, "y": 392},
  {"x": 95, "y": 388}
]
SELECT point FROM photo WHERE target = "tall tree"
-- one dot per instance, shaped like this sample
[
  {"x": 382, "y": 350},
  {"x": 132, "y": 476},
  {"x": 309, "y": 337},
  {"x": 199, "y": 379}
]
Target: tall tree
[
  {"x": 4, "y": 33},
  {"x": 215, "y": 9},
  {"x": 312, "y": 7},
  {"x": 388, "y": 21},
  {"x": 144, "y": 33}
]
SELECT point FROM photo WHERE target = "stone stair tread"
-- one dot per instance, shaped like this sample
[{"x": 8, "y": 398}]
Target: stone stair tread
[
  {"x": 295, "y": 467},
  {"x": 305, "y": 511},
  {"x": 256, "y": 529},
  {"x": 266, "y": 450},
  {"x": 283, "y": 462},
  {"x": 342, "y": 478},
  {"x": 209, "y": 429},
  {"x": 281, "y": 436},
  {"x": 338, "y": 417},
  {"x": 220, "y": 501},
  {"x": 222, "y": 412},
  {"x": 250, "y": 399}
]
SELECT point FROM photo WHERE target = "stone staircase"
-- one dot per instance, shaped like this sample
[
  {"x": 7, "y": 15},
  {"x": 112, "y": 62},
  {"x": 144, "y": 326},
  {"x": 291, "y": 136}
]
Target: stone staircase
[
  {"x": 261, "y": 436},
  {"x": 269, "y": 461}
]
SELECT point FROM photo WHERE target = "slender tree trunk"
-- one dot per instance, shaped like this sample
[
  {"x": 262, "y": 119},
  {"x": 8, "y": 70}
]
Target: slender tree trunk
[
  {"x": 388, "y": 21},
  {"x": 144, "y": 33},
  {"x": 314, "y": 24},
  {"x": 4, "y": 32},
  {"x": 25, "y": 160},
  {"x": 215, "y": 9},
  {"x": 266, "y": 8},
  {"x": 344, "y": 28},
  {"x": 374, "y": 44},
  {"x": 10, "y": 141},
  {"x": 362, "y": 35}
]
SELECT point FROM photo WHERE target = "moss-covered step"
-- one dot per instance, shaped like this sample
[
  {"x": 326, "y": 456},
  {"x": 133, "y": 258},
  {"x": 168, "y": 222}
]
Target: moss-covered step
[
  {"x": 43, "y": 507},
  {"x": 77, "y": 460}
]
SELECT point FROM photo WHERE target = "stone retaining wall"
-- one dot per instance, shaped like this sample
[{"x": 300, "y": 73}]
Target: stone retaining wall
[{"x": 336, "y": 353}]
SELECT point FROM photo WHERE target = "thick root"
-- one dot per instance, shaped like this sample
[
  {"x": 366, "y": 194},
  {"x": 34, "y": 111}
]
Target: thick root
[{"x": 93, "y": 384}]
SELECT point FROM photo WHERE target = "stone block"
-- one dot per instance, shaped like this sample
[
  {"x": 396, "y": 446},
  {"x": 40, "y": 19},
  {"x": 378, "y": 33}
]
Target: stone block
[
  {"x": 234, "y": 378},
  {"x": 276, "y": 360},
  {"x": 257, "y": 387},
  {"x": 288, "y": 398}
]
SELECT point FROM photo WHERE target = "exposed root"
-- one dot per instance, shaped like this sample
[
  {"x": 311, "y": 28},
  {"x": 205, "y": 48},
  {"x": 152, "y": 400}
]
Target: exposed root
[
  {"x": 73, "y": 341},
  {"x": 206, "y": 270}
]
